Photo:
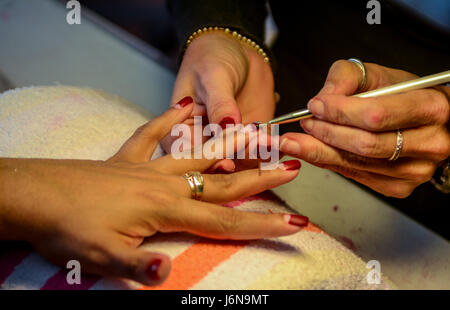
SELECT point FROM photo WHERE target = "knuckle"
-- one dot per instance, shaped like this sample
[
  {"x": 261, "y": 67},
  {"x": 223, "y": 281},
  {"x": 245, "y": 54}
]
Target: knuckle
[
  {"x": 440, "y": 108},
  {"x": 340, "y": 115},
  {"x": 323, "y": 132},
  {"x": 402, "y": 190},
  {"x": 315, "y": 156},
  {"x": 440, "y": 148},
  {"x": 225, "y": 181},
  {"x": 99, "y": 255},
  {"x": 367, "y": 145},
  {"x": 228, "y": 221},
  {"x": 420, "y": 173},
  {"x": 375, "y": 117}
]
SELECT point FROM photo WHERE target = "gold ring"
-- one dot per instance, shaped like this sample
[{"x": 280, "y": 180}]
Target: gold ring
[
  {"x": 361, "y": 66},
  {"x": 196, "y": 184},
  {"x": 398, "y": 146}
]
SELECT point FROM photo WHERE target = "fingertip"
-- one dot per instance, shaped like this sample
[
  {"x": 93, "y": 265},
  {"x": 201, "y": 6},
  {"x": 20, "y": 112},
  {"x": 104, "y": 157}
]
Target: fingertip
[
  {"x": 183, "y": 103},
  {"x": 157, "y": 270},
  {"x": 290, "y": 165}
]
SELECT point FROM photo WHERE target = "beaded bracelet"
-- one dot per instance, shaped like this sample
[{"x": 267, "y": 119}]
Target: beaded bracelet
[{"x": 234, "y": 34}]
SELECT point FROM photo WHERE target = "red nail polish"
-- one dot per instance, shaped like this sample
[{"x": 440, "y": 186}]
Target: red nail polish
[
  {"x": 291, "y": 165},
  {"x": 152, "y": 269},
  {"x": 185, "y": 101},
  {"x": 225, "y": 121},
  {"x": 298, "y": 220}
]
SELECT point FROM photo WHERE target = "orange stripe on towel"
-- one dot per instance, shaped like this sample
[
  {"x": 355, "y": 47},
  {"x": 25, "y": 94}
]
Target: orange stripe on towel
[{"x": 196, "y": 262}]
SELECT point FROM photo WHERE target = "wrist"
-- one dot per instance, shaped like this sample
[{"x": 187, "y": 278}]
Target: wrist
[
  {"x": 20, "y": 195},
  {"x": 8, "y": 189},
  {"x": 230, "y": 33}
]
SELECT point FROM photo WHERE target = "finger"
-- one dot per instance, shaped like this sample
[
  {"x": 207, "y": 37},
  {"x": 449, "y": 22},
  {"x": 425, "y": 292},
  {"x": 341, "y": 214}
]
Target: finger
[
  {"x": 388, "y": 186},
  {"x": 218, "y": 222},
  {"x": 219, "y": 188},
  {"x": 184, "y": 87},
  {"x": 142, "y": 144},
  {"x": 351, "y": 139},
  {"x": 434, "y": 145},
  {"x": 224, "y": 145},
  {"x": 148, "y": 268},
  {"x": 385, "y": 113},
  {"x": 217, "y": 91},
  {"x": 345, "y": 77},
  {"x": 318, "y": 153}
]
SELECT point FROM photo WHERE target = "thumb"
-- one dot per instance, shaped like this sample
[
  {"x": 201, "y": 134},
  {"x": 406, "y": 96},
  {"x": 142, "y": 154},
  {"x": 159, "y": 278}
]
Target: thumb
[{"x": 148, "y": 268}]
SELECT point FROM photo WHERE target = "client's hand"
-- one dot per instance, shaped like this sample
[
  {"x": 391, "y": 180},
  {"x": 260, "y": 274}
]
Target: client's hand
[
  {"x": 355, "y": 136},
  {"x": 230, "y": 84},
  {"x": 99, "y": 212}
]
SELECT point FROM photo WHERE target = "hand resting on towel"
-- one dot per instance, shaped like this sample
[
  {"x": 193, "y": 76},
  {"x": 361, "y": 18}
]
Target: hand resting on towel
[{"x": 99, "y": 212}]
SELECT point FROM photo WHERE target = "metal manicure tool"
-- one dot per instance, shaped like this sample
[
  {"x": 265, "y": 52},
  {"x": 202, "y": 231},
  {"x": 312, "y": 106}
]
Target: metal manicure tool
[{"x": 420, "y": 83}]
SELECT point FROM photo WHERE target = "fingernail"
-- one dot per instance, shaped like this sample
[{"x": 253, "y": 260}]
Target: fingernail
[
  {"x": 226, "y": 121},
  {"x": 315, "y": 106},
  {"x": 152, "y": 270},
  {"x": 184, "y": 102},
  {"x": 289, "y": 146},
  {"x": 307, "y": 124},
  {"x": 296, "y": 220},
  {"x": 290, "y": 165},
  {"x": 328, "y": 88}
]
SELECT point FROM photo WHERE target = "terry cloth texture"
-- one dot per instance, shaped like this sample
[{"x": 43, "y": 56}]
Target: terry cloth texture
[{"x": 82, "y": 123}]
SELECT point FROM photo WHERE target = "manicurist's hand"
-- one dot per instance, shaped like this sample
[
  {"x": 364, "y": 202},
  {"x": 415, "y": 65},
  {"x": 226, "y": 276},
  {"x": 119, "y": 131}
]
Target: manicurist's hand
[
  {"x": 229, "y": 82},
  {"x": 355, "y": 136},
  {"x": 99, "y": 212}
]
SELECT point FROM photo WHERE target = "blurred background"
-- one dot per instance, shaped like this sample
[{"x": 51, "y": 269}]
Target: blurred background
[{"x": 148, "y": 20}]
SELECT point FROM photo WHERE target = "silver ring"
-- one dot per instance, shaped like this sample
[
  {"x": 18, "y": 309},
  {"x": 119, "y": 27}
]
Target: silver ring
[
  {"x": 360, "y": 64},
  {"x": 398, "y": 146},
  {"x": 196, "y": 184}
]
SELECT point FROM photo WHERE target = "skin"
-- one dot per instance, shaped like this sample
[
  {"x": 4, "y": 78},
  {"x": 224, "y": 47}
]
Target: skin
[
  {"x": 352, "y": 136},
  {"x": 222, "y": 74},
  {"x": 99, "y": 212},
  {"x": 355, "y": 136}
]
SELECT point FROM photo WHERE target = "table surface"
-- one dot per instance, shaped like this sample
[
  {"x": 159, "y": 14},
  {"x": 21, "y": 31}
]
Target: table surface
[{"x": 38, "y": 47}]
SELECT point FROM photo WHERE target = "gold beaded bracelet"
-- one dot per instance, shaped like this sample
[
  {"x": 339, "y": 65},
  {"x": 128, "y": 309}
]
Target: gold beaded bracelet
[{"x": 235, "y": 35}]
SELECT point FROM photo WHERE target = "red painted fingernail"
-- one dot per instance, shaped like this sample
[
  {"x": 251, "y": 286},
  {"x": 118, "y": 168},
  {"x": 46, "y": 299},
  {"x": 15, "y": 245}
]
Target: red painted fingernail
[
  {"x": 152, "y": 269},
  {"x": 184, "y": 102},
  {"x": 291, "y": 165},
  {"x": 298, "y": 220},
  {"x": 225, "y": 121}
]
